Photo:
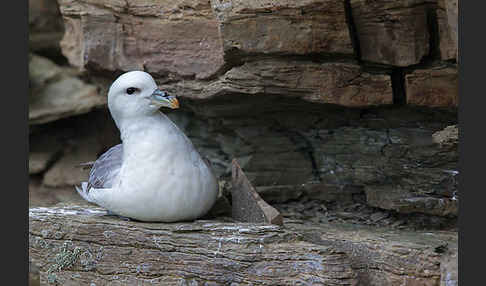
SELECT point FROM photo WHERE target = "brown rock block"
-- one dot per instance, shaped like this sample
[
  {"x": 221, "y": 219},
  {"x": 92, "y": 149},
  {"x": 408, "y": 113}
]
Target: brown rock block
[
  {"x": 403, "y": 201},
  {"x": 447, "y": 17},
  {"x": 174, "y": 39},
  {"x": 391, "y": 32},
  {"x": 283, "y": 27},
  {"x": 247, "y": 205},
  {"x": 334, "y": 83},
  {"x": 433, "y": 87}
]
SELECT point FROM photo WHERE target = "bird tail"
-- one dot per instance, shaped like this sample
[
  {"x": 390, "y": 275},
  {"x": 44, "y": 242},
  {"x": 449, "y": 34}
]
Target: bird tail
[{"x": 83, "y": 191}]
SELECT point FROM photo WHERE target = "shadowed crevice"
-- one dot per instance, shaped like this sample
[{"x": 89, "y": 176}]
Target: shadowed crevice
[
  {"x": 398, "y": 87},
  {"x": 353, "y": 34}
]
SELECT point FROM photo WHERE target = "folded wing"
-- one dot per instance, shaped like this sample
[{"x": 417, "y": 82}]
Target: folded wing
[{"x": 106, "y": 168}]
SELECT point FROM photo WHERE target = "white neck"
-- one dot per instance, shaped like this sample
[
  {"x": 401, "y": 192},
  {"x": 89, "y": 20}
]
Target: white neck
[{"x": 131, "y": 129}]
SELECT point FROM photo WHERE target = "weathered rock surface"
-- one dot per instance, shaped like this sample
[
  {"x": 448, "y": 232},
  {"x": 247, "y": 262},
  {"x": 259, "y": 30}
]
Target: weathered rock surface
[
  {"x": 392, "y": 32},
  {"x": 435, "y": 188},
  {"x": 283, "y": 27},
  {"x": 449, "y": 136},
  {"x": 405, "y": 201},
  {"x": 57, "y": 92},
  {"x": 343, "y": 84},
  {"x": 437, "y": 87},
  {"x": 449, "y": 267},
  {"x": 330, "y": 154},
  {"x": 356, "y": 211},
  {"x": 46, "y": 27},
  {"x": 172, "y": 40},
  {"x": 71, "y": 245},
  {"x": 386, "y": 257},
  {"x": 295, "y": 147},
  {"x": 205, "y": 251},
  {"x": 266, "y": 82},
  {"x": 447, "y": 16}
]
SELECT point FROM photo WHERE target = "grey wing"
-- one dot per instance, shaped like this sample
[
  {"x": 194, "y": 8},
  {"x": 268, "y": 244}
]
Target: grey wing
[{"x": 106, "y": 168}]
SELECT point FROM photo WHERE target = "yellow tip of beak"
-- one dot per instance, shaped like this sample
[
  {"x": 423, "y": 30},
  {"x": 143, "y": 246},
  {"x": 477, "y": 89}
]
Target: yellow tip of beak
[{"x": 174, "y": 103}]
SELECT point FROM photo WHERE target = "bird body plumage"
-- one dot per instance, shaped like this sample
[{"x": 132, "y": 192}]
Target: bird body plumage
[{"x": 156, "y": 174}]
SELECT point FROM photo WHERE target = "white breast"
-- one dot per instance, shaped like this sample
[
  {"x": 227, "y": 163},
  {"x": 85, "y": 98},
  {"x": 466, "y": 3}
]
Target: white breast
[{"x": 163, "y": 177}]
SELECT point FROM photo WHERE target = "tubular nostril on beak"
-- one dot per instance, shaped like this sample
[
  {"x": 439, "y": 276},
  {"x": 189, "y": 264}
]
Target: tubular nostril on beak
[{"x": 158, "y": 92}]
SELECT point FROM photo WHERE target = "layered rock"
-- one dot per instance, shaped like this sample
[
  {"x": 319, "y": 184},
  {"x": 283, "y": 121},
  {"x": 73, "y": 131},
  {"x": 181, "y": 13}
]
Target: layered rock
[
  {"x": 275, "y": 85},
  {"x": 304, "y": 94},
  {"x": 294, "y": 147},
  {"x": 447, "y": 14},
  {"x": 283, "y": 27},
  {"x": 57, "y": 92},
  {"x": 172, "y": 40},
  {"x": 72, "y": 245},
  {"x": 344, "y": 84},
  {"x": 392, "y": 32},
  {"x": 438, "y": 87}
]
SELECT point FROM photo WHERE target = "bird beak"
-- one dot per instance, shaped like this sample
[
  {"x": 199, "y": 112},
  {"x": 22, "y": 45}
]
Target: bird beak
[{"x": 161, "y": 98}]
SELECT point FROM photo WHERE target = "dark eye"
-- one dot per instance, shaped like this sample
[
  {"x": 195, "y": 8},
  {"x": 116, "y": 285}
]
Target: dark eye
[{"x": 131, "y": 90}]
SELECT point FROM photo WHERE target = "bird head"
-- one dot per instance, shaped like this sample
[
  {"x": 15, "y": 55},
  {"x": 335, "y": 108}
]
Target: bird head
[{"x": 135, "y": 94}]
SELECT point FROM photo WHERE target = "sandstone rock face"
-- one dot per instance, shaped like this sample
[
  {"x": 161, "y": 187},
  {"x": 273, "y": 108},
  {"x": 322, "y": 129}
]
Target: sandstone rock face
[
  {"x": 176, "y": 40},
  {"x": 433, "y": 87},
  {"x": 447, "y": 14},
  {"x": 283, "y": 27},
  {"x": 343, "y": 84},
  {"x": 278, "y": 86},
  {"x": 57, "y": 93},
  {"x": 340, "y": 113},
  {"x": 392, "y": 32}
]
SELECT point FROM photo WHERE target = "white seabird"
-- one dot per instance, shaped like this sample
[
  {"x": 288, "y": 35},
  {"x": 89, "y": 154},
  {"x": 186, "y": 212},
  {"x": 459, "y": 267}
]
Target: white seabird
[{"x": 156, "y": 174}]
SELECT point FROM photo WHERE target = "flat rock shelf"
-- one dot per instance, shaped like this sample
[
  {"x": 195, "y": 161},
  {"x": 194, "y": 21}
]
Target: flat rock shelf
[{"x": 74, "y": 245}]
